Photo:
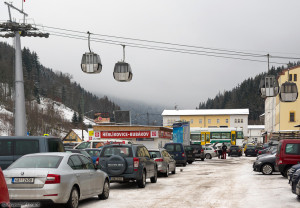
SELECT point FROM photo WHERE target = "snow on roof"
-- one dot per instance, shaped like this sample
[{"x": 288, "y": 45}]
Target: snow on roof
[
  {"x": 79, "y": 134},
  {"x": 256, "y": 126},
  {"x": 206, "y": 112}
]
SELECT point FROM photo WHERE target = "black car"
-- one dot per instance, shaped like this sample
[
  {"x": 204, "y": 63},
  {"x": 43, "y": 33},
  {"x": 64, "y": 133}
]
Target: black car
[
  {"x": 126, "y": 162},
  {"x": 199, "y": 151},
  {"x": 189, "y": 151},
  {"x": 235, "y": 150},
  {"x": 291, "y": 177},
  {"x": 265, "y": 164},
  {"x": 251, "y": 150}
]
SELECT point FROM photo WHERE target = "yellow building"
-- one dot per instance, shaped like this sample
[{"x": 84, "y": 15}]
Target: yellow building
[
  {"x": 209, "y": 118},
  {"x": 287, "y": 114},
  {"x": 75, "y": 135}
]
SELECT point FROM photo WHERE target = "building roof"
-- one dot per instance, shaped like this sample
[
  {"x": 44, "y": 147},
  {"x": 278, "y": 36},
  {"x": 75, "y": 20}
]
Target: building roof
[
  {"x": 205, "y": 112},
  {"x": 79, "y": 134},
  {"x": 256, "y": 126}
]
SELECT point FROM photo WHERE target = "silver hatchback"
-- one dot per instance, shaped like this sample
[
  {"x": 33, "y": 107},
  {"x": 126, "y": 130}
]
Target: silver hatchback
[
  {"x": 56, "y": 178},
  {"x": 165, "y": 162}
]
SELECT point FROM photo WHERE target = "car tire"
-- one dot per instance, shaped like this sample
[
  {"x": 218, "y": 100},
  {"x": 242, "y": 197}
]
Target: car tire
[
  {"x": 284, "y": 174},
  {"x": 190, "y": 162},
  {"x": 267, "y": 169},
  {"x": 105, "y": 192},
  {"x": 142, "y": 182},
  {"x": 202, "y": 159},
  {"x": 73, "y": 199},
  {"x": 208, "y": 156},
  {"x": 154, "y": 178},
  {"x": 174, "y": 172},
  {"x": 167, "y": 172},
  {"x": 184, "y": 164}
]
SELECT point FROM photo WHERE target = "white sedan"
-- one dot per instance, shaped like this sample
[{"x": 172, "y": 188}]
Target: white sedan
[
  {"x": 63, "y": 178},
  {"x": 209, "y": 152}
]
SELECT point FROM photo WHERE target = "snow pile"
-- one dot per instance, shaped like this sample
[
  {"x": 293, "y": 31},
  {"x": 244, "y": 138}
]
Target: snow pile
[{"x": 5, "y": 127}]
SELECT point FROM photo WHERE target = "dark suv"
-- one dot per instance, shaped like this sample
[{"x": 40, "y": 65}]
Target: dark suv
[
  {"x": 199, "y": 151},
  {"x": 125, "y": 162},
  {"x": 235, "y": 150},
  {"x": 189, "y": 151}
]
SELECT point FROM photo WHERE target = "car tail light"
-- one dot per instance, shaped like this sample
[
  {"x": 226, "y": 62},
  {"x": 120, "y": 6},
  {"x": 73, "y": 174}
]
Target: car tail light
[
  {"x": 159, "y": 160},
  {"x": 279, "y": 162},
  {"x": 215, "y": 151},
  {"x": 202, "y": 150},
  {"x": 259, "y": 152},
  {"x": 182, "y": 155},
  {"x": 52, "y": 179},
  {"x": 97, "y": 161},
  {"x": 136, "y": 162}
]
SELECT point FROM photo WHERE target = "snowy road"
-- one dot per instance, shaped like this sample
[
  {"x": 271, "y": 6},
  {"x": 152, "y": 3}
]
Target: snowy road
[{"x": 212, "y": 183}]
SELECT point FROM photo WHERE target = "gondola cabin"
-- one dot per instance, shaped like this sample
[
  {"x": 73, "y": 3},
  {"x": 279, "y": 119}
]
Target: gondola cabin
[
  {"x": 269, "y": 86},
  {"x": 288, "y": 92},
  {"x": 91, "y": 63},
  {"x": 122, "y": 72}
]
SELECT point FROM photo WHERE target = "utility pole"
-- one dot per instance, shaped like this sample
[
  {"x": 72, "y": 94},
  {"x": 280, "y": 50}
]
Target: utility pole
[{"x": 14, "y": 29}]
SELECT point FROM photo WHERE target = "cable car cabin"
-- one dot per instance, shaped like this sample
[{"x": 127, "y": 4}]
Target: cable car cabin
[
  {"x": 269, "y": 86},
  {"x": 122, "y": 72},
  {"x": 91, "y": 63},
  {"x": 288, "y": 92}
]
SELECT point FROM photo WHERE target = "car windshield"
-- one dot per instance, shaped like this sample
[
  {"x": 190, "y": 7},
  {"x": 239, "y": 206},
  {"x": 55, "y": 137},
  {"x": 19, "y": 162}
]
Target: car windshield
[
  {"x": 38, "y": 161},
  {"x": 157, "y": 153},
  {"x": 251, "y": 147},
  {"x": 188, "y": 148},
  {"x": 116, "y": 150},
  {"x": 84, "y": 145},
  {"x": 93, "y": 153}
]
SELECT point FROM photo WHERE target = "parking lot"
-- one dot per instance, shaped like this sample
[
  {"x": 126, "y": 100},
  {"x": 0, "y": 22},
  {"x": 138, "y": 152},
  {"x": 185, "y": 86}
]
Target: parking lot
[{"x": 211, "y": 183}]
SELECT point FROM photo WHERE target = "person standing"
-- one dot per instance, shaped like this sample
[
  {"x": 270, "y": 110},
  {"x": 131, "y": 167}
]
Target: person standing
[
  {"x": 224, "y": 150},
  {"x": 220, "y": 152}
]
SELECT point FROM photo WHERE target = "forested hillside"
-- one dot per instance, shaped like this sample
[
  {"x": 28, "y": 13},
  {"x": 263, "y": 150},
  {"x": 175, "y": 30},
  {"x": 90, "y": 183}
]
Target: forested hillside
[
  {"x": 42, "y": 81},
  {"x": 245, "y": 95}
]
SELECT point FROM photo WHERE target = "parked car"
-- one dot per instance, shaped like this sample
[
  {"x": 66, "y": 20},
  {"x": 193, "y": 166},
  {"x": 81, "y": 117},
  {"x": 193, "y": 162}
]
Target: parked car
[
  {"x": 63, "y": 178},
  {"x": 125, "y": 162},
  {"x": 266, "y": 154},
  {"x": 295, "y": 178},
  {"x": 267, "y": 150},
  {"x": 288, "y": 154},
  {"x": 13, "y": 147},
  {"x": 209, "y": 152},
  {"x": 165, "y": 162},
  {"x": 70, "y": 145},
  {"x": 298, "y": 189},
  {"x": 199, "y": 151},
  {"x": 251, "y": 150},
  {"x": 99, "y": 143},
  {"x": 4, "y": 196},
  {"x": 177, "y": 151},
  {"x": 291, "y": 171},
  {"x": 80, "y": 151},
  {"x": 190, "y": 155},
  {"x": 266, "y": 164},
  {"x": 235, "y": 150},
  {"x": 94, "y": 153}
]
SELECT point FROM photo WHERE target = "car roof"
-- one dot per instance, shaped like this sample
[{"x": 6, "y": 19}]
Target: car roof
[{"x": 53, "y": 154}]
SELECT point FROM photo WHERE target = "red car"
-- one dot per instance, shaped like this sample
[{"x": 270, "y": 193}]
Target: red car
[
  {"x": 288, "y": 154},
  {"x": 4, "y": 196}
]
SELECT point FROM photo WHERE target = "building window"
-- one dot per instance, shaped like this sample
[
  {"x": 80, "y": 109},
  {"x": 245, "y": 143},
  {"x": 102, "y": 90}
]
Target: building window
[
  {"x": 226, "y": 120},
  {"x": 209, "y": 121},
  {"x": 242, "y": 120},
  {"x": 192, "y": 121},
  {"x": 218, "y": 120},
  {"x": 239, "y": 120},
  {"x": 290, "y": 77},
  {"x": 235, "y": 120},
  {"x": 292, "y": 116},
  {"x": 295, "y": 77},
  {"x": 200, "y": 121}
]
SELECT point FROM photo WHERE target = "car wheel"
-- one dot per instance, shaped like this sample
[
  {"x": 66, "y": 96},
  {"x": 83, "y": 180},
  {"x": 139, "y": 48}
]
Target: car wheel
[
  {"x": 74, "y": 199},
  {"x": 167, "y": 172},
  {"x": 105, "y": 192},
  {"x": 267, "y": 169},
  {"x": 184, "y": 164},
  {"x": 285, "y": 172},
  {"x": 154, "y": 178},
  {"x": 142, "y": 182},
  {"x": 174, "y": 172},
  {"x": 208, "y": 156},
  {"x": 190, "y": 162},
  {"x": 202, "y": 159}
]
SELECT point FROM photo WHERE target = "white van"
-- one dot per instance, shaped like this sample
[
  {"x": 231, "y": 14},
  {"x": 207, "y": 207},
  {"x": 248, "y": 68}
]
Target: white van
[{"x": 100, "y": 143}]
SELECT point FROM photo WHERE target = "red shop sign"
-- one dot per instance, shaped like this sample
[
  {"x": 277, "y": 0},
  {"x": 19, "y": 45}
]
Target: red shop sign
[{"x": 125, "y": 134}]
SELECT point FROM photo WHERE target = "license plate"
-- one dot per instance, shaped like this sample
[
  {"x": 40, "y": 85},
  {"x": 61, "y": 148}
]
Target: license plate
[
  {"x": 233, "y": 150},
  {"x": 23, "y": 180},
  {"x": 190, "y": 155},
  {"x": 116, "y": 178}
]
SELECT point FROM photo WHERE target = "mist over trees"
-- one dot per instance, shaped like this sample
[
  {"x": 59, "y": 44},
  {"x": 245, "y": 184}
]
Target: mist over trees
[{"x": 245, "y": 95}]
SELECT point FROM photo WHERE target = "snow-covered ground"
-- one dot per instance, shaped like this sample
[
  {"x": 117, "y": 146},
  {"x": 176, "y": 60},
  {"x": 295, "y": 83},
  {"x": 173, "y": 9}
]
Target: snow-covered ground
[{"x": 213, "y": 183}]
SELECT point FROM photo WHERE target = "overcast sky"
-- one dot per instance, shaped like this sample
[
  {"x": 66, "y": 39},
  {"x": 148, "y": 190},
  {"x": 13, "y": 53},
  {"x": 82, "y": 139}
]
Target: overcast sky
[{"x": 160, "y": 77}]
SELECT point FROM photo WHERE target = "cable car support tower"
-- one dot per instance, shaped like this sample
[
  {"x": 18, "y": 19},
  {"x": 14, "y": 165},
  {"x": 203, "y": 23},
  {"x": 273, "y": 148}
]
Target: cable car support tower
[{"x": 13, "y": 29}]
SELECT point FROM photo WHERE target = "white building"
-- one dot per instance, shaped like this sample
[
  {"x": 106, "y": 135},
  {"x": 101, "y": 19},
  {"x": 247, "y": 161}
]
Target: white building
[{"x": 255, "y": 133}]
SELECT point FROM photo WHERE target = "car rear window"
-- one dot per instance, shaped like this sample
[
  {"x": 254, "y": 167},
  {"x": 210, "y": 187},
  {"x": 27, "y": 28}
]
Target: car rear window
[
  {"x": 173, "y": 148},
  {"x": 234, "y": 147},
  {"x": 54, "y": 145},
  {"x": 116, "y": 150},
  {"x": 39, "y": 161},
  {"x": 251, "y": 147},
  {"x": 157, "y": 153},
  {"x": 23, "y": 147},
  {"x": 293, "y": 149},
  {"x": 189, "y": 148},
  {"x": 197, "y": 146},
  {"x": 6, "y": 148}
]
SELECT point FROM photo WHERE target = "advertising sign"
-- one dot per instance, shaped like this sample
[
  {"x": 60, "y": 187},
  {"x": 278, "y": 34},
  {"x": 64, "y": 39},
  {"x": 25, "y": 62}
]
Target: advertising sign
[{"x": 125, "y": 134}]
